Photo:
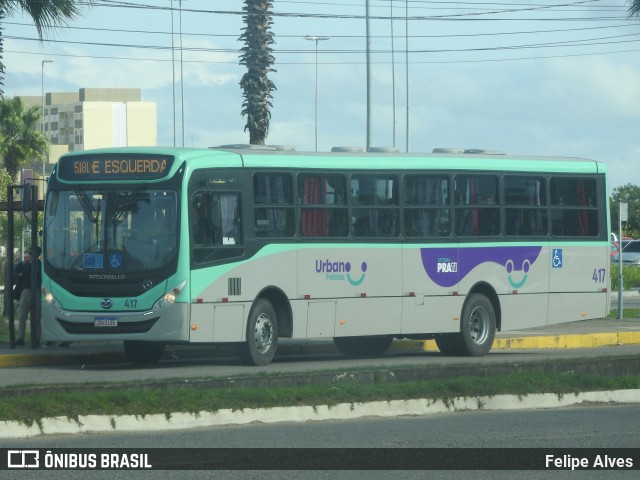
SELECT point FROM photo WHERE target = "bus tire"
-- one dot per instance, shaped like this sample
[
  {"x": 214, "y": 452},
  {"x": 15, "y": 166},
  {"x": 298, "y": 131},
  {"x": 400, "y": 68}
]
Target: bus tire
[
  {"x": 448, "y": 343},
  {"x": 478, "y": 326},
  {"x": 363, "y": 346},
  {"x": 142, "y": 353},
  {"x": 477, "y": 329},
  {"x": 262, "y": 335}
]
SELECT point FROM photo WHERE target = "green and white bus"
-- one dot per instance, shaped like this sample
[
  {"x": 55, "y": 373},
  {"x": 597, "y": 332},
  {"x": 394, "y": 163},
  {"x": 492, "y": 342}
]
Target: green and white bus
[{"x": 157, "y": 246}]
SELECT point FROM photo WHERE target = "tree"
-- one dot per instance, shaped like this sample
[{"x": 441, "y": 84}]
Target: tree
[
  {"x": 634, "y": 8},
  {"x": 20, "y": 137},
  {"x": 629, "y": 194},
  {"x": 46, "y": 14},
  {"x": 256, "y": 56}
]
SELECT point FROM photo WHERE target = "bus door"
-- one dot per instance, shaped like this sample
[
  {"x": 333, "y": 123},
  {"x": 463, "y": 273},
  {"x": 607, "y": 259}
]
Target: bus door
[{"x": 215, "y": 240}]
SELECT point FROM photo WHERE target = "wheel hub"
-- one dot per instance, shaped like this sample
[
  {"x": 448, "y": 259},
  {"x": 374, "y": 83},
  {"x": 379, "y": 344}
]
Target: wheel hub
[
  {"x": 263, "y": 333},
  {"x": 479, "y": 325}
]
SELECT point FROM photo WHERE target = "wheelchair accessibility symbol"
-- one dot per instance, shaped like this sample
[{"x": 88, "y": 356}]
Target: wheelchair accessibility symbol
[
  {"x": 115, "y": 260},
  {"x": 556, "y": 260}
]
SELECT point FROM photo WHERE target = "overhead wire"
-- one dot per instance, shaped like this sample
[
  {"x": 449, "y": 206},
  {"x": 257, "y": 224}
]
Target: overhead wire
[{"x": 584, "y": 42}]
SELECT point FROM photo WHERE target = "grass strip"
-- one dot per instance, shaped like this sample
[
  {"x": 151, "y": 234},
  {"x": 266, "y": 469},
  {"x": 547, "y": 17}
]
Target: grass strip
[
  {"x": 626, "y": 313},
  {"x": 29, "y": 407}
]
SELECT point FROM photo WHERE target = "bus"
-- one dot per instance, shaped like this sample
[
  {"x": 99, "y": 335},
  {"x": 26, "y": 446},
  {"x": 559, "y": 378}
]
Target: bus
[{"x": 244, "y": 246}]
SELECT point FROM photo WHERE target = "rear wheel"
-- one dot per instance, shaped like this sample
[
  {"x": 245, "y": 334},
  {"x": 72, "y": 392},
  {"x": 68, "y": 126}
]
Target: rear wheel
[
  {"x": 363, "y": 346},
  {"x": 477, "y": 329},
  {"x": 262, "y": 335},
  {"x": 448, "y": 343},
  {"x": 142, "y": 353}
]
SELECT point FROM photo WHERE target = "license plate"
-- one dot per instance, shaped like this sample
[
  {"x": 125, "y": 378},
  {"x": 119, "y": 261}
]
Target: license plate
[{"x": 105, "y": 322}]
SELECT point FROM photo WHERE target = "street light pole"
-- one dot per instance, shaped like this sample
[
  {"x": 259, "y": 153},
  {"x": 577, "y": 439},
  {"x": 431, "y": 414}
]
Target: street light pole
[
  {"x": 181, "y": 74},
  {"x": 368, "y": 57},
  {"x": 315, "y": 38},
  {"x": 44, "y": 157}
]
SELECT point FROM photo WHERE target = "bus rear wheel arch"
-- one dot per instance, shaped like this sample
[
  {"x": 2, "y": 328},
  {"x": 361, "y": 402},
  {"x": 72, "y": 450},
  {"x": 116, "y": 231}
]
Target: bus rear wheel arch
[
  {"x": 477, "y": 329},
  {"x": 261, "y": 341}
]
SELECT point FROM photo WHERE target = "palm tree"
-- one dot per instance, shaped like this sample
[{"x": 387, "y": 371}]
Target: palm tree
[
  {"x": 20, "y": 138},
  {"x": 634, "y": 8},
  {"x": 46, "y": 14},
  {"x": 256, "y": 55}
]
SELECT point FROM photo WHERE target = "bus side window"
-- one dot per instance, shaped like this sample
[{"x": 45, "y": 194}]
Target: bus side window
[
  {"x": 375, "y": 205},
  {"x": 574, "y": 210},
  {"x": 273, "y": 205},
  {"x": 216, "y": 226},
  {"x": 480, "y": 192},
  {"x": 526, "y": 206},
  {"x": 323, "y": 207},
  {"x": 202, "y": 230},
  {"x": 230, "y": 219},
  {"x": 424, "y": 199}
]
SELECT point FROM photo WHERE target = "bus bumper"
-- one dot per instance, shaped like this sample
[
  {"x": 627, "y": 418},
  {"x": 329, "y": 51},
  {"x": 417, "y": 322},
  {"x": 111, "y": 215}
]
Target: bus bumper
[{"x": 169, "y": 324}]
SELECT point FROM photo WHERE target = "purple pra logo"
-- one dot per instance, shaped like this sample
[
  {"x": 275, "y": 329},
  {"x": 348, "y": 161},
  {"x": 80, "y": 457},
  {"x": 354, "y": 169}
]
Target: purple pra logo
[
  {"x": 447, "y": 266},
  {"x": 340, "y": 271}
]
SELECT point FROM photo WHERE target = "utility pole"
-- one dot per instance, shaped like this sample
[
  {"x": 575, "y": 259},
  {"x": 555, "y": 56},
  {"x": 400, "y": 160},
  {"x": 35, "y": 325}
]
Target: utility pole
[{"x": 368, "y": 78}]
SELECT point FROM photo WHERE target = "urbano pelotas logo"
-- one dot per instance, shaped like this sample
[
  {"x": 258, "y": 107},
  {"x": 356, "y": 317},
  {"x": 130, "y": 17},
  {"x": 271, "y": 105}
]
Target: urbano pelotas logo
[{"x": 340, "y": 271}]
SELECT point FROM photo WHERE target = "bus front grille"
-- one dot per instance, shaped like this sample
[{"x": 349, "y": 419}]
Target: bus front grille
[{"x": 89, "y": 328}]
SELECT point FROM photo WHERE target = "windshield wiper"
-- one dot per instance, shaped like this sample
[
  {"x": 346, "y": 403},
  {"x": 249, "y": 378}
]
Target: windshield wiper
[{"x": 87, "y": 206}]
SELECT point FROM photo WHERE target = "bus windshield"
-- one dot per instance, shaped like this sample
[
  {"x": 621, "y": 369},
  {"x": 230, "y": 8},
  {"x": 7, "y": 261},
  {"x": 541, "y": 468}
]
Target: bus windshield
[{"x": 116, "y": 231}]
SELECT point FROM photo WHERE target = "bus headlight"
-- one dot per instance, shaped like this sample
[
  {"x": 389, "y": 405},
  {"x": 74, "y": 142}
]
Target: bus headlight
[
  {"x": 172, "y": 296},
  {"x": 50, "y": 299}
]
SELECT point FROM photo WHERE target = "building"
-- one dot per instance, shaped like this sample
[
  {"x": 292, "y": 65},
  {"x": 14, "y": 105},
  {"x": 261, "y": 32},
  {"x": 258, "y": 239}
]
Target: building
[{"x": 96, "y": 118}]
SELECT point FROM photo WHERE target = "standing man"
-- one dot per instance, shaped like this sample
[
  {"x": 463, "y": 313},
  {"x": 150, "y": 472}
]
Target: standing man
[{"x": 24, "y": 304}]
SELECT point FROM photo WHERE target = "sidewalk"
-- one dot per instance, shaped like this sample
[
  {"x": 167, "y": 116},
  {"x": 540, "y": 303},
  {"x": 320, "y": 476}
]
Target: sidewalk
[{"x": 580, "y": 334}]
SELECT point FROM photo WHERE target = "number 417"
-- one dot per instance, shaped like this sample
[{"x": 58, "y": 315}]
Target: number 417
[
  {"x": 132, "y": 303},
  {"x": 599, "y": 275}
]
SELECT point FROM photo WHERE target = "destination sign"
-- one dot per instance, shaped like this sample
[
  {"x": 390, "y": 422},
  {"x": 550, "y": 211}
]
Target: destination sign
[{"x": 111, "y": 167}]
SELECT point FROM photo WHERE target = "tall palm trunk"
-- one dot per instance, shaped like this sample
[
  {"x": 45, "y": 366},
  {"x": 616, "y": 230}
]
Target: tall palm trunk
[
  {"x": 256, "y": 55},
  {"x": 1, "y": 56}
]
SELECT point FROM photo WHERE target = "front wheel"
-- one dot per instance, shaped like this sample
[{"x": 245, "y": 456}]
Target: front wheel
[
  {"x": 262, "y": 335},
  {"x": 142, "y": 353}
]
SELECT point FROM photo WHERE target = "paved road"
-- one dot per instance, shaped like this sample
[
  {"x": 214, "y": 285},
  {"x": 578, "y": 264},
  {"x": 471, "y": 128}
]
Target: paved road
[
  {"x": 593, "y": 427},
  {"x": 202, "y": 367},
  {"x": 618, "y": 340},
  {"x": 105, "y": 362},
  {"x": 630, "y": 300}
]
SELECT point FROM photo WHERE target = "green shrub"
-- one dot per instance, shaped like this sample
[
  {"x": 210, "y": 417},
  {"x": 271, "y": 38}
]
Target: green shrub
[{"x": 630, "y": 277}]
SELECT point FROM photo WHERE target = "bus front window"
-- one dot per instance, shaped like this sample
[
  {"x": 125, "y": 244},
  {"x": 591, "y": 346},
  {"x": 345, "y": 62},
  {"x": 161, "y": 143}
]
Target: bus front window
[{"x": 117, "y": 231}]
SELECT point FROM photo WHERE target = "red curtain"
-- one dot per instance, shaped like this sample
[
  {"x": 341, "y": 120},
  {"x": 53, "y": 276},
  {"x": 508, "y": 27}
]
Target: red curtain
[{"x": 315, "y": 220}]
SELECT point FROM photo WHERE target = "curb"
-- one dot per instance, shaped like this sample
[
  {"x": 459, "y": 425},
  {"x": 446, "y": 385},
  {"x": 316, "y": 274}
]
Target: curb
[
  {"x": 564, "y": 341},
  {"x": 582, "y": 340},
  {"x": 343, "y": 411}
]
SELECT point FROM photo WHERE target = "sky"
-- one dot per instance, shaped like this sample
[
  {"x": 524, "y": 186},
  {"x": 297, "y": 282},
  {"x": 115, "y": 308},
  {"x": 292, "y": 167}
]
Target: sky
[{"x": 542, "y": 77}]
